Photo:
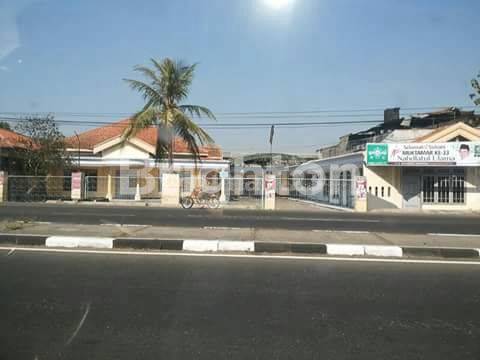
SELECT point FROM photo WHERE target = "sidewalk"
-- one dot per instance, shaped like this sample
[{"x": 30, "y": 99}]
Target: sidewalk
[
  {"x": 282, "y": 204},
  {"x": 261, "y": 240}
]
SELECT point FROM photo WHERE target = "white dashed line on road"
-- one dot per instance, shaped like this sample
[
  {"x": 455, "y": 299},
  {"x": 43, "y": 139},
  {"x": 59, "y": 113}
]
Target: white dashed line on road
[{"x": 454, "y": 235}]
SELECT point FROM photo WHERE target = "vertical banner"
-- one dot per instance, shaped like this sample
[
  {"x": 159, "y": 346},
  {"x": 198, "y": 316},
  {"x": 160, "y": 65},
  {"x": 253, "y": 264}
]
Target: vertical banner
[
  {"x": 76, "y": 186},
  {"x": 270, "y": 187},
  {"x": 361, "y": 194},
  {"x": 361, "y": 188}
]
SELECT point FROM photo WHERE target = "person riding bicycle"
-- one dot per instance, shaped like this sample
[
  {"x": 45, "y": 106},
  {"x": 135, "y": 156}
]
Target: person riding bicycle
[{"x": 197, "y": 191}]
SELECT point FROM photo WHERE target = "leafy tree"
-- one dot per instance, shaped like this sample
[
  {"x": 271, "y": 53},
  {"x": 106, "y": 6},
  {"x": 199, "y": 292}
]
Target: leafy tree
[
  {"x": 5, "y": 125},
  {"x": 45, "y": 147},
  {"x": 476, "y": 88},
  {"x": 168, "y": 84}
]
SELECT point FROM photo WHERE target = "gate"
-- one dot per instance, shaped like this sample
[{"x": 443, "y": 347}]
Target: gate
[
  {"x": 339, "y": 192},
  {"x": 39, "y": 188}
]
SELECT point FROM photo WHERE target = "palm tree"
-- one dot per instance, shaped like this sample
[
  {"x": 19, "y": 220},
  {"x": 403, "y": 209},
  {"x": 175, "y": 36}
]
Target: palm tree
[{"x": 167, "y": 86}]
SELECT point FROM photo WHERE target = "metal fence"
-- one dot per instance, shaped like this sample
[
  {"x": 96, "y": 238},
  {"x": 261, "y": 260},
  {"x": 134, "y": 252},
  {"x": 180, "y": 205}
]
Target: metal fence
[
  {"x": 39, "y": 188},
  {"x": 95, "y": 187},
  {"x": 340, "y": 192},
  {"x": 238, "y": 190}
]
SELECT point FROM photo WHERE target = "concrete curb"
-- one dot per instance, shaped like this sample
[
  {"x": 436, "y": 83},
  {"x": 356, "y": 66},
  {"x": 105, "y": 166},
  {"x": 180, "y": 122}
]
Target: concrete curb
[
  {"x": 237, "y": 246},
  {"x": 322, "y": 205}
]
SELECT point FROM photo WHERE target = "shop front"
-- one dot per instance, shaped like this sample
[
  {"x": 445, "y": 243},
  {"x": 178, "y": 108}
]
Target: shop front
[{"x": 425, "y": 175}]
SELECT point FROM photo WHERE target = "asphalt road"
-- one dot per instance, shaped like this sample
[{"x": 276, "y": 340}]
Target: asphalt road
[
  {"x": 292, "y": 220},
  {"x": 84, "y": 306}
]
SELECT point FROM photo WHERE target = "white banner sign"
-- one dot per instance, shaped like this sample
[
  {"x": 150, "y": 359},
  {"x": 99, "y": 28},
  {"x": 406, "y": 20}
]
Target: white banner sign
[{"x": 411, "y": 154}]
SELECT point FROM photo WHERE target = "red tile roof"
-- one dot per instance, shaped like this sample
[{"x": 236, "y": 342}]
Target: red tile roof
[
  {"x": 10, "y": 139},
  {"x": 89, "y": 139}
]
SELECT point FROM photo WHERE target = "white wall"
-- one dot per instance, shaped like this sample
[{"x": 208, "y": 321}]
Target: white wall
[{"x": 384, "y": 177}]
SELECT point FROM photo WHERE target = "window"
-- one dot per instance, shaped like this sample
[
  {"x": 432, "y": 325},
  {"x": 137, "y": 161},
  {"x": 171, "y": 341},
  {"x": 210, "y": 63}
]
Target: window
[
  {"x": 132, "y": 181},
  {"x": 428, "y": 189},
  {"x": 389, "y": 191},
  {"x": 448, "y": 187},
  {"x": 383, "y": 191},
  {"x": 91, "y": 180},
  {"x": 458, "y": 189},
  {"x": 67, "y": 181},
  {"x": 326, "y": 186},
  {"x": 376, "y": 191},
  {"x": 443, "y": 189},
  {"x": 370, "y": 189}
]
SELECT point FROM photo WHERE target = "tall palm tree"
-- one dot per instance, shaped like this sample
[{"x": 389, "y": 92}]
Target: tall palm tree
[{"x": 168, "y": 84}]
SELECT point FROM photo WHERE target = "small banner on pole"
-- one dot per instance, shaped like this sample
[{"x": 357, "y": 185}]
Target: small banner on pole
[{"x": 272, "y": 133}]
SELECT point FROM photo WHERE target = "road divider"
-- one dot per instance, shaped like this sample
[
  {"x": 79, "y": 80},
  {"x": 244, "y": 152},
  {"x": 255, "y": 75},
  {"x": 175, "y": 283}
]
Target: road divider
[
  {"x": 243, "y": 246},
  {"x": 200, "y": 245},
  {"x": 79, "y": 242},
  {"x": 231, "y": 246},
  {"x": 345, "y": 249},
  {"x": 384, "y": 251}
]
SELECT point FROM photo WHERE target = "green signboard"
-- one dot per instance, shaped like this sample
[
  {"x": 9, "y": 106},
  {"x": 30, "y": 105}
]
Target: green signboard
[{"x": 377, "y": 154}]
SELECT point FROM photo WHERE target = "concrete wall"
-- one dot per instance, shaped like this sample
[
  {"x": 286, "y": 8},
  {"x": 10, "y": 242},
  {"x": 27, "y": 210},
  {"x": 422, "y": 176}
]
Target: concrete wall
[
  {"x": 473, "y": 188},
  {"x": 386, "y": 177}
]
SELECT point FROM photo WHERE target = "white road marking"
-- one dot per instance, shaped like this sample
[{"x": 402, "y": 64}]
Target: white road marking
[
  {"x": 342, "y": 231},
  {"x": 272, "y": 257},
  {"x": 454, "y": 235},
  {"x": 10, "y": 252},
  {"x": 79, "y": 326},
  {"x": 224, "y": 228},
  {"x": 125, "y": 225},
  {"x": 331, "y": 220},
  {"x": 92, "y": 214},
  {"x": 355, "y": 232},
  {"x": 34, "y": 235}
]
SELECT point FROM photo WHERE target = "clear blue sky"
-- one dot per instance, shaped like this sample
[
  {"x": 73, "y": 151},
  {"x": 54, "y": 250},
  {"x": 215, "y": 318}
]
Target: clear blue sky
[{"x": 314, "y": 54}]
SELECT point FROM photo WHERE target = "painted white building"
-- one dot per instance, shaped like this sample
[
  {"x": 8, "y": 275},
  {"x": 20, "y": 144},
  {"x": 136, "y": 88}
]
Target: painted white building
[
  {"x": 429, "y": 169},
  {"x": 114, "y": 169}
]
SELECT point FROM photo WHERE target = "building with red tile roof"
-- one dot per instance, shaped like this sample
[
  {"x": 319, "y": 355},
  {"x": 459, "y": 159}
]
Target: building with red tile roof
[
  {"x": 10, "y": 145},
  {"x": 115, "y": 168}
]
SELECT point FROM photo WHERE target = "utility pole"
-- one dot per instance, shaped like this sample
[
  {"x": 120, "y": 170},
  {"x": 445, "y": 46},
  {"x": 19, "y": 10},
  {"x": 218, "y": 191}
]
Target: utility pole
[
  {"x": 272, "y": 133},
  {"x": 78, "y": 139}
]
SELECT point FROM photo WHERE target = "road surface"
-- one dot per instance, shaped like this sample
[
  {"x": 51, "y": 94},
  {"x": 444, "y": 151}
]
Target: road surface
[
  {"x": 99, "y": 306},
  {"x": 292, "y": 220}
]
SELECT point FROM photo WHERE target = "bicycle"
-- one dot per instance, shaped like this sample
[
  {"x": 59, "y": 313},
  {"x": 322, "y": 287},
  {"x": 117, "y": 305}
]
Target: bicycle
[{"x": 200, "y": 198}]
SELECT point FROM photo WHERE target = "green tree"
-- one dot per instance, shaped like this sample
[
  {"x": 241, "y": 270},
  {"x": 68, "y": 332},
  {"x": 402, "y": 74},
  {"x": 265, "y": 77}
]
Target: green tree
[
  {"x": 476, "y": 88},
  {"x": 45, "y": 147},
  {"x": 167, "y": 86},
  {"x": 5, "y": 125}
]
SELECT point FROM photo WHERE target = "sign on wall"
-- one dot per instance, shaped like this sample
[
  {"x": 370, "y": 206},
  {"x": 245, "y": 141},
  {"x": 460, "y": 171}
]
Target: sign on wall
[
  {"x": 422, "y": 154},
  {"x": 361, "y": 188}
]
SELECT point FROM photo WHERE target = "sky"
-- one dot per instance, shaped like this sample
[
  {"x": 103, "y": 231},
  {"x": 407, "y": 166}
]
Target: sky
[{"x": 309, "y": 55}]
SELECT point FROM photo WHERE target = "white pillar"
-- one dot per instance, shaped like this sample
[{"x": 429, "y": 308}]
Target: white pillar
[
  {"x": 137, "y": 193},
  {"x": 109, "y": 188},
  {"x": 170, "y": 189},
  {"x": 270, "y": 189},
  {"x": 3, "y": 186},
  {"x": 222, "y": 190}
]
